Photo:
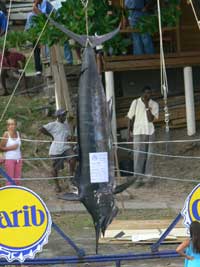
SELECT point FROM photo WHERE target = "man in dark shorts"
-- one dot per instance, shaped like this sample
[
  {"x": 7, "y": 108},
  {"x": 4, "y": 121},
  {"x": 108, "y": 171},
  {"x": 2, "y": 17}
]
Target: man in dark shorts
[{"x": 59, "y": 150}]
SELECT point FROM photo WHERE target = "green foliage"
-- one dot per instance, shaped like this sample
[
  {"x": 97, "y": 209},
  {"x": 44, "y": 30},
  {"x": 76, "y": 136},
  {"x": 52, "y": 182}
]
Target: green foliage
[
  {"x": 15, "y": 39},
  {"x": 118, "y": 45},
  {"x": 72, "y": 15},
  {"x": 170, "y": 15}
]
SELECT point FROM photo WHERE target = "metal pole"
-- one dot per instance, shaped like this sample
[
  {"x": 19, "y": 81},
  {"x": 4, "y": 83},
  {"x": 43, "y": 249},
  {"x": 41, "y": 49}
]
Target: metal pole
[
  {"x": 155, "y": 246},
  {"x": 189, "y": 101},
  {"x": 80, "y": 252},
  {"x": 93, "y": 259},
  {"x": 5, "y": 175}
]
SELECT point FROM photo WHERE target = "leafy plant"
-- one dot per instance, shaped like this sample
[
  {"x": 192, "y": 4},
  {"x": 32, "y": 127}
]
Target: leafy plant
[
  {"x": 170, "y": 15},
  {"x": 15, "y": 39},
  {"x": 72, "y": 15}
]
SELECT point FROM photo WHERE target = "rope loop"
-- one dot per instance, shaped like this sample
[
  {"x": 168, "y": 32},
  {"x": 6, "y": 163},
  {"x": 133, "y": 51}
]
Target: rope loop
[{"x": 84, "y": 3}]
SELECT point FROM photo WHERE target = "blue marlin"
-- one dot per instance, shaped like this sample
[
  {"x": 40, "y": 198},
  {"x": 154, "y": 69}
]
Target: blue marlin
[{"x": 94, "y": 135}]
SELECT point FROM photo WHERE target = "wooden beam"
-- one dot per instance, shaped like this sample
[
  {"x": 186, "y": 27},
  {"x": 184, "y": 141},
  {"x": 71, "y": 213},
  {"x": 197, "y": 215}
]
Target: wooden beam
[{"x": 150, "y": 63}]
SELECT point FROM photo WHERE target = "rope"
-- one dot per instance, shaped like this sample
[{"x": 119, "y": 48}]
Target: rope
[
  {"x": 161, "y": 177},
  {"x": 158, "y": 142},
  {"x": 195, "y": 14},
  {"x": 5, "y": 37},
  {"x": 163, "y": 73},
  {"x": 123, "y": 171},
  {"x": 85, "y": 5},
  {"x": 115, "y": 143},
  {"x": 42, "y": 178},
  {"x": 41, "y": 141},
  {"x": 48, "y": 158},
  {"x": 22, "y": 73},
  {"x": 159, "y": 154}
]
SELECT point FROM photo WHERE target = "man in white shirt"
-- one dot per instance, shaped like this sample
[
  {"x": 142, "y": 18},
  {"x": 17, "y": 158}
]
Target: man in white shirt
[
  {"x": 59, "y": 150},
  {"x": 143, "y": 111}
]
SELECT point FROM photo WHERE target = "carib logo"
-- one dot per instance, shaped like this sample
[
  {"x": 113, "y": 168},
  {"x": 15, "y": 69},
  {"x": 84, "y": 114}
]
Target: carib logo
[
  {"x": 191, "y": 210},
  {"x": 25, "y": 223}
]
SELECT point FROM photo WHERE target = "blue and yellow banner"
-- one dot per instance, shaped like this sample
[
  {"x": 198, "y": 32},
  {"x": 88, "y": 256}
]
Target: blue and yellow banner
[
  {"x": 25, "y": 223},
  {"x": 191, "y": 210}
]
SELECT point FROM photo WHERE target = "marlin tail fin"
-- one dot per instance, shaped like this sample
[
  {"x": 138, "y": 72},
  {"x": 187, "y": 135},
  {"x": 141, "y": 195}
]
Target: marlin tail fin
[{"x": 83, "y": 40}]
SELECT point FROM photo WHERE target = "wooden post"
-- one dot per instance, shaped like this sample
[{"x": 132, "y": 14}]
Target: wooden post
[
  {"x": 189, "y": 101},
  {"x": 110, "y": 96},
  {"x": 54, "y": 66},
  {"x": 62, "y": 95},
  {"x": 63, "y": 81},
  {"x": 178, "y": 38}
]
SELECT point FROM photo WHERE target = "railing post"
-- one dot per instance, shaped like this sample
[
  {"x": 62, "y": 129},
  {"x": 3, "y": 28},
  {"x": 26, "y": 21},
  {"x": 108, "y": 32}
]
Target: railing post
[
  {"x": 118, "y": 263},
  {"x": 189, "y": 100}
]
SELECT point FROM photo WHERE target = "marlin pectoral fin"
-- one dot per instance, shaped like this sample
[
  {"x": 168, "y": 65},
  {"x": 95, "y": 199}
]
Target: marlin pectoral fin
[
  {"x": 70, "y": 197},
  {"x": 84, "y": 39},
  {"x": 120, "y": 188}
]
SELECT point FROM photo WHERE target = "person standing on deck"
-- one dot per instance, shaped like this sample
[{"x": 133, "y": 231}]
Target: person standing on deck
[
  {"x": 142, "y": 42},
  {"x": 143, "y": 111}
]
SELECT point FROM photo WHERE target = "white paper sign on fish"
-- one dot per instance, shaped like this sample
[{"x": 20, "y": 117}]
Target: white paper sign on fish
[{"x": 99, "y": 167}]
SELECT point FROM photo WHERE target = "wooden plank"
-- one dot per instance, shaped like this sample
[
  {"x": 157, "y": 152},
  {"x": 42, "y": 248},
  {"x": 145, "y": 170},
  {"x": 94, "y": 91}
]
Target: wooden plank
[
  {"x": 153, "y": 56},
  {"x": 18, "y": 16},
  {"x": 20, "y": 1},
  {"x": 20, "y": 5},
  {"x": 141, "y": 224},
  {"x": 141, "y": 243},
  {"x": 21, "y": 9},
  {"x": 143, "y": 232},
  {"x": 151, "y": 64},
  {"x": 130, "y": 29}
]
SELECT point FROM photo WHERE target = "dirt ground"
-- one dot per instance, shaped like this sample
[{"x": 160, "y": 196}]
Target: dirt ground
[
  {"x": 163, "y": 189},
  {"x": 163, "y": 199}
]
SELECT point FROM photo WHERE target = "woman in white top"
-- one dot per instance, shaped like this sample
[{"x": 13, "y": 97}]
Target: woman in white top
[{"x": 11, "y": 144}]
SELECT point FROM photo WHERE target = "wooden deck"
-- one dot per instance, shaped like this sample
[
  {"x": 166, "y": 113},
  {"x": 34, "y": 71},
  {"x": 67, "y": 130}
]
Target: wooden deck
[{"x": 150, "y": 62}]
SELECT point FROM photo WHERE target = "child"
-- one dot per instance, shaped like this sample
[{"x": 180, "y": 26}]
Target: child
[{"x": 190, "y": 248}]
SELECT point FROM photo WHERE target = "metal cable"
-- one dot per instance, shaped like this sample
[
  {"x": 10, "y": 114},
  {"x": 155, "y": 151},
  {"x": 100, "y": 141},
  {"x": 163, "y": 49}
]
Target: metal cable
[
  {"x": 159, "y": 154},
  {"x": 160, "y": 177}
]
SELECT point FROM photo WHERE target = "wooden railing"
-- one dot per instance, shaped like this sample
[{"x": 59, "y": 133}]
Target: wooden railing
[{"x": 175, "y": 45}]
